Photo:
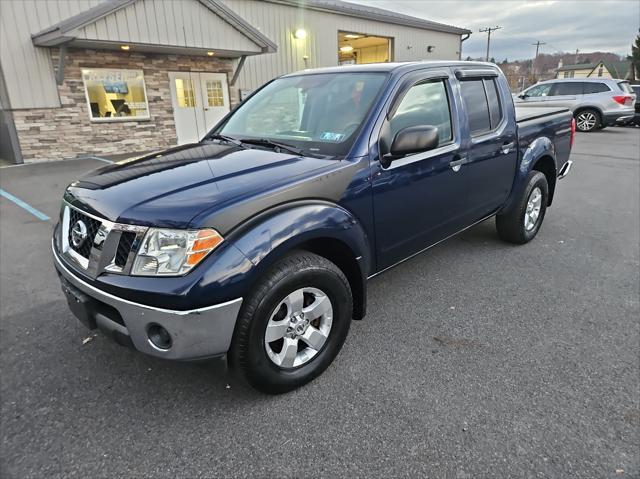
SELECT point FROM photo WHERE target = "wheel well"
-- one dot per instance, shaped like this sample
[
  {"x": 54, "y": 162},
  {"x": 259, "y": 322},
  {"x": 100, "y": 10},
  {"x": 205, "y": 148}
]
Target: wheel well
[
  {"x": 547, "y": 166},
  {"x": 344, "y": 258},
  {"x": 583, "y": 108}
]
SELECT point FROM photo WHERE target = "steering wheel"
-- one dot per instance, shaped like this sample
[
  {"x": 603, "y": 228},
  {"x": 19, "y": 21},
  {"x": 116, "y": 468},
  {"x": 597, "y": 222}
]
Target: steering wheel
[{"x": 350, "y": 128}]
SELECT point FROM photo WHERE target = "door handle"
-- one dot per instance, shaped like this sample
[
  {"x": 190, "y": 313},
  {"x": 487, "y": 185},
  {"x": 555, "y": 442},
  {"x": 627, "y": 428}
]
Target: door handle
[
  {"x": 506, "y": 147},
  {"x": 458, "y": 161}
]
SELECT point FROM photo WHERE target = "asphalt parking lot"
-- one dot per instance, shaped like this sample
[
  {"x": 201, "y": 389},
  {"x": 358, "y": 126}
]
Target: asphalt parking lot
[{"x": 477, "y": 359}]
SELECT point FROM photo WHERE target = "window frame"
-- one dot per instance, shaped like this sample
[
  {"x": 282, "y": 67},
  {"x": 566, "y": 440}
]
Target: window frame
[
  {"x": 115, "y": 119},
  {"x": 502, "y": 121},
  {"x": 396, "y": 99}
]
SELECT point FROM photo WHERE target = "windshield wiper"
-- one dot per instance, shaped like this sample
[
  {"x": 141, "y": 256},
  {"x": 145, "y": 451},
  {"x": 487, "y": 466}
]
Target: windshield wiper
[
  {"x": 273, "y": 144},
  {"x": 228, "y": 139}
]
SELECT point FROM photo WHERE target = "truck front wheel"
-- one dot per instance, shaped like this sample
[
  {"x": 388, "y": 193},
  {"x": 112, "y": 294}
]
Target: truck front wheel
[
  {"x": 293, "y": 323},
  {"x": 522, "y": 222}
]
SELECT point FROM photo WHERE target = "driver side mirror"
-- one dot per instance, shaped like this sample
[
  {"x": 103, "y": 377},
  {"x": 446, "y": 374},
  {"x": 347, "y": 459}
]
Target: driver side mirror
[
  {"x": 523, "y": 96},
  {"x": 413, "y": 139}
]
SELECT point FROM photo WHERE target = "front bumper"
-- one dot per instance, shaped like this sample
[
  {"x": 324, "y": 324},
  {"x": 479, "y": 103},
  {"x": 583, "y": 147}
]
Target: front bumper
[{"x": 195, "y": 334}]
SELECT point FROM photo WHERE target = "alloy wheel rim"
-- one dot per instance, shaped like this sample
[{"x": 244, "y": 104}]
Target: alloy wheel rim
[
  {"x": 534, "y": 206},
  {"x": 586, "y": 121},
  {"x": 298, "y": 327}
]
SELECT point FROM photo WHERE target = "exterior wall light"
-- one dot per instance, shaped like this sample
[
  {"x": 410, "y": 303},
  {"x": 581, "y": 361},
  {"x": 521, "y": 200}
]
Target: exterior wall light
[{"x": 300, "y": 34}]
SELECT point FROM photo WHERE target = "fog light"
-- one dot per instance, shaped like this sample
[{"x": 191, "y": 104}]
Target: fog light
[{"x": 158, "y": 336}]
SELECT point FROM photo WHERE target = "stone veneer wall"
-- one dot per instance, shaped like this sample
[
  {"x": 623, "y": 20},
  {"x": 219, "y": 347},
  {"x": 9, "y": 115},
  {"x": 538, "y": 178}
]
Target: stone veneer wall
[{"x": 67, "y": 132}]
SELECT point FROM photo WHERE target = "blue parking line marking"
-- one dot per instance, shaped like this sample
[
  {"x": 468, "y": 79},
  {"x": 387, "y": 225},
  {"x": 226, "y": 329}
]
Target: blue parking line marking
[{"x": 38, "y": 214}]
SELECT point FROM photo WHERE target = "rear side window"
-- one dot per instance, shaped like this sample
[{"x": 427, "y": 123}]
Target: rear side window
[
  {"x": 625, "y": 87},
  {"x": 482, "y": 103},
  {"x": 567, "y": 88},
  {"x": 495, "y": 110},
  {"x": 595, "y": 88}
]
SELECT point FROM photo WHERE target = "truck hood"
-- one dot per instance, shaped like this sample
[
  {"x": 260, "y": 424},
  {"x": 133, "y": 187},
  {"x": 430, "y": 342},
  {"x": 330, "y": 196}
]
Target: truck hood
[{"x": 188, "y": 186}]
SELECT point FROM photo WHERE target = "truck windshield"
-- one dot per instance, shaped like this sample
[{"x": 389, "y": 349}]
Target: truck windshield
[{"x": 319, "y": 113}]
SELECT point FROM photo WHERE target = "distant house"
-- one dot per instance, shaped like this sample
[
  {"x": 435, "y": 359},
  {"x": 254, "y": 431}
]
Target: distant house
[{"x": 602, "y": 69}]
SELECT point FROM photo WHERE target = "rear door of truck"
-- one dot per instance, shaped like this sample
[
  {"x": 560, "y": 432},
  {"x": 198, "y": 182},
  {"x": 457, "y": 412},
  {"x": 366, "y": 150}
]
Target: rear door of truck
[{"x": 492, "y": 150}]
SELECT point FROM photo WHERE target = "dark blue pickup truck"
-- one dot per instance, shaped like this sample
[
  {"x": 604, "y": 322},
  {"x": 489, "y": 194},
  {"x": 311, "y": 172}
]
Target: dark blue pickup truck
[{"x": 258, "y": 241}]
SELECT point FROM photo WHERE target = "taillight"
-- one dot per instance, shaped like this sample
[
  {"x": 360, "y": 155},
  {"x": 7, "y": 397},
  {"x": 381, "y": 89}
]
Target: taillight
[
  {"x": 622, "y": 99},
  {"x": 573, "y": 131}
]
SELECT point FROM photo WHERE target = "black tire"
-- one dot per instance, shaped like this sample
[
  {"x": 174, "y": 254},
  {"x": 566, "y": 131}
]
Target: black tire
[
  {"x": 511, "y": 225},
  {"x": 248, "y": 352},
  {"x": 588, "y": 113}
]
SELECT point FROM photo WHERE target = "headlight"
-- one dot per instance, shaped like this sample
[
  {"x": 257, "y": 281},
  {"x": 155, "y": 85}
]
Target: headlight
[{"x": 166, "y": 252}]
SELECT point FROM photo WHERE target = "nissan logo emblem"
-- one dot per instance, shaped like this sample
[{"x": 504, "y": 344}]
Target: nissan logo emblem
[{"x": 78, "y": 233}]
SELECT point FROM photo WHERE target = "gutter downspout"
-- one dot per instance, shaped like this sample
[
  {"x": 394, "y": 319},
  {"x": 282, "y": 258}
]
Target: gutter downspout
[
  {"x": 462, "y": 40},
  {"x": 62, "y": 52}
]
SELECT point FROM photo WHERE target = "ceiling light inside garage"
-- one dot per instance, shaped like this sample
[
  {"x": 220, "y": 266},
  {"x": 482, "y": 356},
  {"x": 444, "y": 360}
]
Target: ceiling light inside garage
[
  {"x": 346, "y": 49},
  {"x": 211, "y": 53},
  {"x": 124, "y": 47},
  {"x": 353, "y": 36}
]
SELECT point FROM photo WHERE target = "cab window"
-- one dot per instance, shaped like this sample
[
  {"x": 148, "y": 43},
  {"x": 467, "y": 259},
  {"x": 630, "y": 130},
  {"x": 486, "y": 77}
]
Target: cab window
[
  {"x": 424, "y": 104},
  {"x": 539, "y": 90},
  {"x": 482, "y": 102}
]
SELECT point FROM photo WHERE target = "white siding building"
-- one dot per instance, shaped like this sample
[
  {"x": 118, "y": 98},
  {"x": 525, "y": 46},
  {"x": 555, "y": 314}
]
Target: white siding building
[{"x": 105, "y": 77}]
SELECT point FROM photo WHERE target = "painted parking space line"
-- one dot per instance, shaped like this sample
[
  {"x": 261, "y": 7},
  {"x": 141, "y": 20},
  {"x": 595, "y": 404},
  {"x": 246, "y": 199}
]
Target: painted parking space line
[
  {"x": 97, "y": 158},
  {"x": 37, "y": 213}
]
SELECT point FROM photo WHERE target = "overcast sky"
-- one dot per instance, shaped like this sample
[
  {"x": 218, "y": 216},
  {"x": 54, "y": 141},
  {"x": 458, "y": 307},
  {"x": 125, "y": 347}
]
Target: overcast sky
[{"x": 564, "y": 25}]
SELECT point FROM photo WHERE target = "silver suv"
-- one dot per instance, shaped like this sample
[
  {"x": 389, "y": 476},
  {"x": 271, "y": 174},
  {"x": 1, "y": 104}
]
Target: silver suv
[{"x": 595, "y": 103}]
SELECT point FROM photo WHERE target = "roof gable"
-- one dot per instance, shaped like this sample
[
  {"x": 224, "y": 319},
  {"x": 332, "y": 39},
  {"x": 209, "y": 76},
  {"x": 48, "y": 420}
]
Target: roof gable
[
  {"x": 372, "y": 13},
  {"x": 157, "y": 24},
  {"x": 578, "y": 66}
]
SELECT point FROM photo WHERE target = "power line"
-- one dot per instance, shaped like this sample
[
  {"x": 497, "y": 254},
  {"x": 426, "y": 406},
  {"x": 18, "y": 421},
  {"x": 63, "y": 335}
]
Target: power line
[
  {"x": 535, "y": 60},
  {"x": 488, "y": 31}
]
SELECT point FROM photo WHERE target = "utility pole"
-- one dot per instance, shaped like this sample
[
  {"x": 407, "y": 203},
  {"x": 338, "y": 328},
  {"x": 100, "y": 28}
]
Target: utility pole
[
  {"x": 535, "y": 60},
  {"x": 488, "y": 31},
  {"x": 577, "y": 51}
]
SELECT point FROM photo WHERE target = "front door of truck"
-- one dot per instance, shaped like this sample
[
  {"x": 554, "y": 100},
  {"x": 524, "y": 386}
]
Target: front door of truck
[{"x": 419, "y": 199}]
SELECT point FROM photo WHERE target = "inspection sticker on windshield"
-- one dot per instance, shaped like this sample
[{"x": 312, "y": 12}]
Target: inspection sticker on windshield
[{"x": 330, "y": 136}]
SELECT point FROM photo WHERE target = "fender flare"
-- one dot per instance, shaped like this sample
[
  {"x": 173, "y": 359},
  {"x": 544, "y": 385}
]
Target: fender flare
[
  {"x": 270, "y": 235},
  {"x": 538, "y": 149}
]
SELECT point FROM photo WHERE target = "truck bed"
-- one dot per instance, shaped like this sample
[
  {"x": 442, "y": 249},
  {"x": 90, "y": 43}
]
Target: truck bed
[
  {"x": 551, "y": 123},
  {"x": 525, "y": 113}
]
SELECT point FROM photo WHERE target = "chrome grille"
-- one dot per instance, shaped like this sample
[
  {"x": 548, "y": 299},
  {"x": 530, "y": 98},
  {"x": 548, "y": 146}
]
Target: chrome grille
[
  {"x": 108, "y": 246},
  {"x": 92, "y": 227},
  {"x": 124, "y": 248}
]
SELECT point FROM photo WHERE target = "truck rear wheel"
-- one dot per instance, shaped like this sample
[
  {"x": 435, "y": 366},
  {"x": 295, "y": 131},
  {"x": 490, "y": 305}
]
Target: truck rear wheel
[
  {"x": 522, "y": 222},
  {"x": 293, "y": 324}
]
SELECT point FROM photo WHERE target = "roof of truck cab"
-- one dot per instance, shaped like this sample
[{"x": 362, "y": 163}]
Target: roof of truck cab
[{"x": 390, "y": 67}]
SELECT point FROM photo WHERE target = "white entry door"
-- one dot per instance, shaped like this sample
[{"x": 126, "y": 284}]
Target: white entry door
[{"x": 199, "y": 101}]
